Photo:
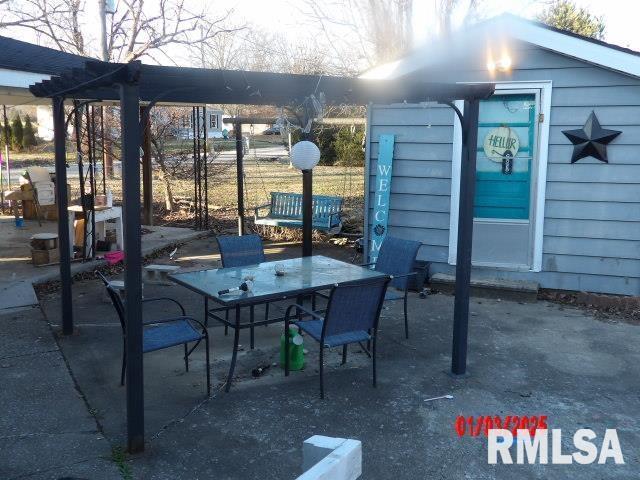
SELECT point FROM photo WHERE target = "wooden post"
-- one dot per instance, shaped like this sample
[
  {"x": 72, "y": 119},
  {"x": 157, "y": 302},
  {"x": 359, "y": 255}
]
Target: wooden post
[
  {"x": 240, "y": 176},
  {"x": 147, "y": 176},
  {"x": 130, "y": 121},
  {"x": 62, "y": 201},
  {"x": 465, "y": 237}
]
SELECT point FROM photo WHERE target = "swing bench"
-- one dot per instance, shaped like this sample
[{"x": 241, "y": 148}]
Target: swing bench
[{"x": 285, "y": 210}]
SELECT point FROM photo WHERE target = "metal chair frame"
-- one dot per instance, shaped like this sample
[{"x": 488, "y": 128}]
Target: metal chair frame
[
  {"x": 373, "y": 332},
  {"x": 118, "y": 304}
]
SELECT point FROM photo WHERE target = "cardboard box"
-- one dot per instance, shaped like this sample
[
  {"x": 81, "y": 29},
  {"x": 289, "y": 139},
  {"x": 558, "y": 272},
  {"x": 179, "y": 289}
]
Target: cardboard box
[{"x": 43, "y": 257}]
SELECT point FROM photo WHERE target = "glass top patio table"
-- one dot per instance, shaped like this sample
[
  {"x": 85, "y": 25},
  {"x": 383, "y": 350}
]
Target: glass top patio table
[{"x": 302, "y": 275}]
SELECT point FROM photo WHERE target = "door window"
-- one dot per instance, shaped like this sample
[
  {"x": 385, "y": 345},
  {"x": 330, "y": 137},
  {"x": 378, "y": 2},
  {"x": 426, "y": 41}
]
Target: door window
[{"x": 506, "y": 129}]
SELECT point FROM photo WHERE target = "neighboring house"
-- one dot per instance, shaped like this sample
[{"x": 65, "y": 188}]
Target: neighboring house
[
  {"x": 214, "y": 124},
  {"x": 538, "y": 216},
  {"x": 23, "y": 64}
]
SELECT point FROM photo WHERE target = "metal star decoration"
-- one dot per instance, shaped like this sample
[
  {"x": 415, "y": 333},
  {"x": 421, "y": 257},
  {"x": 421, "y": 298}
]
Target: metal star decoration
[{"x": 591, "y": 140}]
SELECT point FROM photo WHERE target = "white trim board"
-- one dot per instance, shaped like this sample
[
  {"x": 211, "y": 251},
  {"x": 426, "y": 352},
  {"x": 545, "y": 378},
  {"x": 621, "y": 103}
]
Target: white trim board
[{"x": 545, "y": 87}]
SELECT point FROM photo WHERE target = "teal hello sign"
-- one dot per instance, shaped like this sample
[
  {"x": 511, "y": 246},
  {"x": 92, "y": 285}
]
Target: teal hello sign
[{"x": 384, "y": 171}]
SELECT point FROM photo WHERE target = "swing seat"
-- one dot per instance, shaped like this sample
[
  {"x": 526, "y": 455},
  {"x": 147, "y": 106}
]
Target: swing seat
[{"x": 285, "y": 210}]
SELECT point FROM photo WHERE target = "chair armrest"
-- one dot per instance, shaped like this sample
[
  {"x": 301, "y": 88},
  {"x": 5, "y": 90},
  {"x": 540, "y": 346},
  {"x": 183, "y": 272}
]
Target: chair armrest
[
  {"x": 169, "y": 320},
  {"x": 258, "y": 208},
  {"x": 403, "y": 275},
  {"x": 303, "y": 309},
  {"x": 166, "y": 299}
]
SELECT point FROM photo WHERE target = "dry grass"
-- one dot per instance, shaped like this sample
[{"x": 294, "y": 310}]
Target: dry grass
[{"x": 261, "y": 177}]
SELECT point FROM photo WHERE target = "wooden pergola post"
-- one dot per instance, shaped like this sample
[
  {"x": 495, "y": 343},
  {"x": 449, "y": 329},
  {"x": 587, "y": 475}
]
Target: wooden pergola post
[
  {"x": 130, "y": 122},
  {"x": 147, "y": 176},
  {"x": 62, "y": 201}
]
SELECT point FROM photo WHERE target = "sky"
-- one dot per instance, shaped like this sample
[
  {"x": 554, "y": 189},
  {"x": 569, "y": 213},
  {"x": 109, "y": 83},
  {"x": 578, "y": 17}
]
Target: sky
[
  {"x": 285, "y": 17},
  {"x": 620, "y": 16}
]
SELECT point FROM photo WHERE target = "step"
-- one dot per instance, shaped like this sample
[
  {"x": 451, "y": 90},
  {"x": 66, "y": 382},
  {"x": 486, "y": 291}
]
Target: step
[
  {"x": 489, "y": 287},
  {"x": 157, "y": 274}
]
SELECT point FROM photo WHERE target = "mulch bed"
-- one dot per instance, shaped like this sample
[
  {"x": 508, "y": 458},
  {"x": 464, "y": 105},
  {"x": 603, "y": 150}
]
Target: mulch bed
[{"x": 608, "y": 308}]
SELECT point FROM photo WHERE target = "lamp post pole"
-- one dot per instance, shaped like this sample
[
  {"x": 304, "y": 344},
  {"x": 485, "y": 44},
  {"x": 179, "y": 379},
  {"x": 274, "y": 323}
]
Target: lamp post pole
[
  {"x": 305, "y": 155},
  {"x": 307, "y": 212}
]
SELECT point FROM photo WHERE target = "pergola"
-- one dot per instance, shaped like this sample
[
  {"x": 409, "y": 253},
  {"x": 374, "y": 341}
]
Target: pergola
[{"x": 134, "y": 83}]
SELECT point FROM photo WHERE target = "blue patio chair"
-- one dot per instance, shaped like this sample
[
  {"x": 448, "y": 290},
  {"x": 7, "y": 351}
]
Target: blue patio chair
[
  {"x": 351, "y": 316},
  {"x": 240, "y": 251},
  {"x": 163, "y": 333},
  {"x": 397, "y": 258}
]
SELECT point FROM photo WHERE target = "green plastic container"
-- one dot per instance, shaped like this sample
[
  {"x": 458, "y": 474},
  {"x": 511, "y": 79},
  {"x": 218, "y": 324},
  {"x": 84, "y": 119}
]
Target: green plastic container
[{"x": 296, "y": 350}]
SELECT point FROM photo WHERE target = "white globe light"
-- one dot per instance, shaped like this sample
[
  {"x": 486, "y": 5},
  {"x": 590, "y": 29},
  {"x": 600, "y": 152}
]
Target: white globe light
[{"x": 305, "y": 155}]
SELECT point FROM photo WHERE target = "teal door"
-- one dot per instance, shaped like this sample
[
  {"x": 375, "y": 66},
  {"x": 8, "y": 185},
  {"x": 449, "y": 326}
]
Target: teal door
[{"x": 504, "y": 178}]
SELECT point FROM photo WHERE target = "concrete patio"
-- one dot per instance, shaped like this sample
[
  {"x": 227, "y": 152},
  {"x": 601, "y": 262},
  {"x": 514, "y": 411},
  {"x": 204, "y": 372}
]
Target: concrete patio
[
  {"x": 18, "y": 274},
  {"x": 524, "y": 359}
]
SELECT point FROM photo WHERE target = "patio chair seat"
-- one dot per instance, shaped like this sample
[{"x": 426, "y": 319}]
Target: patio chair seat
[
  {"x": 314, "y": 328},
  {"x": 393, "y": 294},
  {"x": 163, "y": 335}
]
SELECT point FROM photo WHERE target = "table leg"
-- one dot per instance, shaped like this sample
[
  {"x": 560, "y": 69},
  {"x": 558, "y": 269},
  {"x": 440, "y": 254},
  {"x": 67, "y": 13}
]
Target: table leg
[
  {"x": 236, "y": 338},
  {"x": 251, "y": 332},
  {"x": 206, "y": 311}
]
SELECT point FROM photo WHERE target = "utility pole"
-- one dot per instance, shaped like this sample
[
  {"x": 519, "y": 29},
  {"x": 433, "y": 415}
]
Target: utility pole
[
  {"x": 102, "y": 7},
  {"x": 7, "y": 140}
]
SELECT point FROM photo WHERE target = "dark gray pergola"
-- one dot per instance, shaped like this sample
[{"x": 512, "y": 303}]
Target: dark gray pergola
[{"x": 134, "y": 82}]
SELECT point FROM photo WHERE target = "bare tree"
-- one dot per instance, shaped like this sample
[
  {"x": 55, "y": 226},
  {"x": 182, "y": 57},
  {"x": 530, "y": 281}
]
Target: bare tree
[
  {"x": 445, "y": 10},
  {"x": 372, "y": 31},
  {"x": 137, "y": 28}
]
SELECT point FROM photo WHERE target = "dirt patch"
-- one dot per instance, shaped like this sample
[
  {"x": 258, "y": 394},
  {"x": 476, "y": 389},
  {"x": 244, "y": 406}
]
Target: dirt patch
[{"x": 609, "y": 308}]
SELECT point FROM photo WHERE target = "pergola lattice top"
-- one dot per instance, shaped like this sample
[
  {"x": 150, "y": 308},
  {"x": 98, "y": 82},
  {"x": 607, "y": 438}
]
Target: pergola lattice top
[{"x": 196, "y": 86}]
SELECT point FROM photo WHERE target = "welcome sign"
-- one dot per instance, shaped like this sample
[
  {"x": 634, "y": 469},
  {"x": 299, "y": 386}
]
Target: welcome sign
[{"x": 381, "y": 198}]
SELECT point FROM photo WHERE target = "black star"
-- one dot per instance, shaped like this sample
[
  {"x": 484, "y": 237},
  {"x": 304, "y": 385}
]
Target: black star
[{"x": 591, "y": 140}]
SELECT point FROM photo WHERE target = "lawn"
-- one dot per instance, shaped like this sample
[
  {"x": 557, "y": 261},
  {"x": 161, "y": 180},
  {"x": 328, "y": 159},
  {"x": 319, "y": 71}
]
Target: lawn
[{"x": 262, "y": 176}]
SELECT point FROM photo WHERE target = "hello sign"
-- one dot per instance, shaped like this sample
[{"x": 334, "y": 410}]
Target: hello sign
[{"x": 501, "y": 143}]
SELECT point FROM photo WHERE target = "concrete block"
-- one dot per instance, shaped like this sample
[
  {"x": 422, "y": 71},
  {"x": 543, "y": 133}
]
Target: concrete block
[
  {"x": 328, "y": 458},
  {"x": 157, "y": 274}
]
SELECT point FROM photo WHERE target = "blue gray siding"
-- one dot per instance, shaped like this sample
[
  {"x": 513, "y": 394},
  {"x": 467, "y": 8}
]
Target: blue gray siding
[{"x": 592, "y": 209}]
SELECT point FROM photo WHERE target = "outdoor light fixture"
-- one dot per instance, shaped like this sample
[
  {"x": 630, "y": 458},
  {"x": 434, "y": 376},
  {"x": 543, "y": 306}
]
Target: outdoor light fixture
[
  {"x": 503, "y": 64},
  {"x": 305, "y": 155}
]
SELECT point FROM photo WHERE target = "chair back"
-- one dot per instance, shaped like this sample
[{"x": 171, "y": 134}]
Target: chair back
[
  {"x": 354, "y": 307},
  {"x": 238, "y": 251},
  {"x": 116, "y": 300},
  {"x": 397, "y": 257}
]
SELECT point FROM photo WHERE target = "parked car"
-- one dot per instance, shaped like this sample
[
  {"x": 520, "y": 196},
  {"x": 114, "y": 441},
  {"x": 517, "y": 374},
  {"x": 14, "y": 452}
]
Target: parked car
[{"x": 272, "y": 131}]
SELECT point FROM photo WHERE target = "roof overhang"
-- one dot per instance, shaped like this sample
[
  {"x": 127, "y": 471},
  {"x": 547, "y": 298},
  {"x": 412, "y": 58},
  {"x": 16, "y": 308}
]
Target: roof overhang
[{"x": 500, "y": 30}]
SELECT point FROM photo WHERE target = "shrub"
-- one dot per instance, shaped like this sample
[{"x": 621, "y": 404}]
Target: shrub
[
  {"x": 338, "y": 145},
  {"x": 29, "y": 134},
  {"x": 348, "y": 147},
  {"x": 17, "y": 133}
]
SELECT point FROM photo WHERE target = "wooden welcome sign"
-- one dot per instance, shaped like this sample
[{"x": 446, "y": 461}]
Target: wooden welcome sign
[{"x": 380, "y": 217}]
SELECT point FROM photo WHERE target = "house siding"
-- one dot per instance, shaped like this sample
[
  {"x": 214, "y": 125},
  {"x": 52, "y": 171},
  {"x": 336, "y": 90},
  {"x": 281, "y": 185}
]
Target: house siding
[{"x": 592, "y": 209}]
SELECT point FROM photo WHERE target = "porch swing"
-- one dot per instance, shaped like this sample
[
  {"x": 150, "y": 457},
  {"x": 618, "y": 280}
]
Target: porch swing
[{"x": 285, "y": 208}]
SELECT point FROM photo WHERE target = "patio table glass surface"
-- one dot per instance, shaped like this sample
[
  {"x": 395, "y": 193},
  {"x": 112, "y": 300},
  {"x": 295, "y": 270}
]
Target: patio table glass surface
[{"x": 301, "y": 275}]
